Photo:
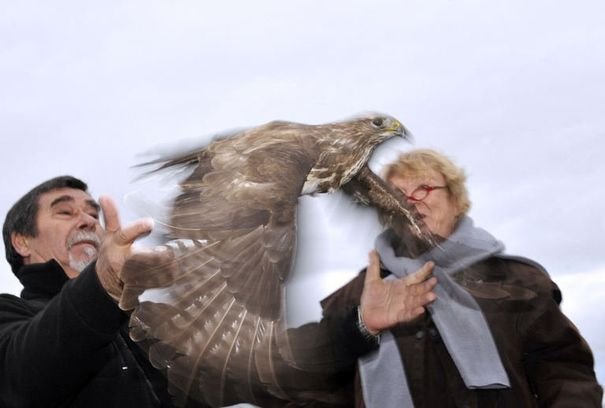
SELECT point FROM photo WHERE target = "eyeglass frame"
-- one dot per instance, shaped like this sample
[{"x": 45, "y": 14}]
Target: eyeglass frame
[{"x": 423, "y": 187}]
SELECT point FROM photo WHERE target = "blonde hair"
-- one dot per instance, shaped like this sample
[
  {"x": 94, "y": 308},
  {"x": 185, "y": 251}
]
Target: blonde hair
[{"x": 416, "y": 162}]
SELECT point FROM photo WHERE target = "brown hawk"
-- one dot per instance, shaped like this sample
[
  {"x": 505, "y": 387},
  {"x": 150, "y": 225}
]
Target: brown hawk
[{"x": 213, "y": 319}]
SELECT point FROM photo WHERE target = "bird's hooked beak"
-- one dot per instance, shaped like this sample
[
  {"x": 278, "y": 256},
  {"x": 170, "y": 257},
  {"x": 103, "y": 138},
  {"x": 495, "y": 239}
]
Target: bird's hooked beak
[{"x": 400, "y": 130}]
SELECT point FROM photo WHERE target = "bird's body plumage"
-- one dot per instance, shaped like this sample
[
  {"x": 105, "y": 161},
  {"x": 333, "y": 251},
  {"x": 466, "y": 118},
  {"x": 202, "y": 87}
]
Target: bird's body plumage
[{"x": 216, "y": 315}]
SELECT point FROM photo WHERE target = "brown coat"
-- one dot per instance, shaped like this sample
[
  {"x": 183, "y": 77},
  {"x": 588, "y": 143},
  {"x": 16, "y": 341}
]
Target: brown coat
[{"x": 548, "y": 362}]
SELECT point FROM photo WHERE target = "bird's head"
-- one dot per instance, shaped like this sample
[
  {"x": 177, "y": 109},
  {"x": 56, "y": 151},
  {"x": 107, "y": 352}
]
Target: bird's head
[
  {"x": 386, "y": 127},
  {"x": 368, "y": 131},
  {"x": 372, "y": 129},
  {"x": 346, "y": 147}
]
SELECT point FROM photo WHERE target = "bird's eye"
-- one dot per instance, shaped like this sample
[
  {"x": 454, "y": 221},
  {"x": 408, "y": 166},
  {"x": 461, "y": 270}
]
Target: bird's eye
[{"x": 377, "y": 122}]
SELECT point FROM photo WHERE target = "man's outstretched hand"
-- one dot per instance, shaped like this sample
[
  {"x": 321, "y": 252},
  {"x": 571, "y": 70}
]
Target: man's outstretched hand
[
  {"x": 116, "y": 246},
  {"x": 385, "y": 303}
]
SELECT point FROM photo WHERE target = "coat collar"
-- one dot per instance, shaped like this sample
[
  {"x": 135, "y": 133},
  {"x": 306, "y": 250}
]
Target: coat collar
[{"x": 41, "y": 280}]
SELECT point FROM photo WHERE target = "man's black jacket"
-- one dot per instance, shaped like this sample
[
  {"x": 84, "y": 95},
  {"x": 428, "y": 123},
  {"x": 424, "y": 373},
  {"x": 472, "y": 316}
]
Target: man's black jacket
[{"x": 63, "y": 343}]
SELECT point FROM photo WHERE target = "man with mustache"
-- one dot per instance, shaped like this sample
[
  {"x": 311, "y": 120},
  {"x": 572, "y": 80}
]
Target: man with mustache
[{"x": 64, "y": 342}]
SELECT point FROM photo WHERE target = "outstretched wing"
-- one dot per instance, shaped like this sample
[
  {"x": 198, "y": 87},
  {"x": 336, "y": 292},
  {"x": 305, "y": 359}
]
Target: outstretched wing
[
  {"x": 209, "y": 308},
  {"x": 234, "y": 223}
]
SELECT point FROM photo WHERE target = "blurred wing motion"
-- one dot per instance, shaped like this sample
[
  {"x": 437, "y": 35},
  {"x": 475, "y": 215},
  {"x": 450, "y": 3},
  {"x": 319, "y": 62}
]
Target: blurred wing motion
[{"x": 213, "y": 319}]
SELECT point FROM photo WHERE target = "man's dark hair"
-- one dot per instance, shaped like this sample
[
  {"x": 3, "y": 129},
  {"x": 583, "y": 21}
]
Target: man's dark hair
[{"x": 21, "y": 218}]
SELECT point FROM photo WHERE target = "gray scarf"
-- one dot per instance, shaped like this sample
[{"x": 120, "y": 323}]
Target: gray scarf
[{"x": 456, "y": 314}]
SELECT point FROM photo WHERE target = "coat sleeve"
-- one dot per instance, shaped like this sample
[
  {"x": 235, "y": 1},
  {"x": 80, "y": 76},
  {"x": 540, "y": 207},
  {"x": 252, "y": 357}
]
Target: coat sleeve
[
  {"x": 331, "y": 345},
  {"x": 351, "y": 342},
  {"x": 48, "y": 355},
  {"x": 324, "y": 357},
  {"x": 559, "y": 362},
  {"x": 335, "y": 342}
]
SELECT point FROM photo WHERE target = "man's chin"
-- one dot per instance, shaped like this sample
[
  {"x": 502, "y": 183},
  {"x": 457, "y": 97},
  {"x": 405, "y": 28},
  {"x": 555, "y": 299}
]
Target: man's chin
[{"x": 78, "y": 265}]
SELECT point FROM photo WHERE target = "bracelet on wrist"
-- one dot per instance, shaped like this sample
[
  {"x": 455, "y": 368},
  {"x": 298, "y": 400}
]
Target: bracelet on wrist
[{"x": 367, "y": 334}]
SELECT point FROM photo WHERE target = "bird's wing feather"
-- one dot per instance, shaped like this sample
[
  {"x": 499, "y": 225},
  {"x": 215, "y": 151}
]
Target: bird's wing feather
[
  {"x": 224, "y": 292},
  {"x": 209, "y": 309}
]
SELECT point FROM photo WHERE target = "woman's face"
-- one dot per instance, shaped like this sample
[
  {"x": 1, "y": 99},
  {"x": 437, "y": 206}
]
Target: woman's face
[{"x": 438, "y": 209}]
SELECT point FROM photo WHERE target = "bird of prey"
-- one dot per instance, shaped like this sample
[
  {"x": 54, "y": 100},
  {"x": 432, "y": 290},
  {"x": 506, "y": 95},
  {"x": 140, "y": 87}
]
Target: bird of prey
[{"x": 212, "y": 318}]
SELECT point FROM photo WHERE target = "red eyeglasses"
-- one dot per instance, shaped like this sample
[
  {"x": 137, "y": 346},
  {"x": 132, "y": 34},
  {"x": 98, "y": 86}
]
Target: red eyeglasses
[{"x": 422, "y": 192}]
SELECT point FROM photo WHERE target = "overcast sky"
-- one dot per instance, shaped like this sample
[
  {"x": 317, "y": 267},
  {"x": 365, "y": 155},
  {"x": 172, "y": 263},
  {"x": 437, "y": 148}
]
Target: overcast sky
[{"x": 512, "y": 91}]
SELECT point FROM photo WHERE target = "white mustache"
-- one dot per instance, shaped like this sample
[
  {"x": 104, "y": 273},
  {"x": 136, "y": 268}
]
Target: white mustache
[{"x": 81, "y": 236}]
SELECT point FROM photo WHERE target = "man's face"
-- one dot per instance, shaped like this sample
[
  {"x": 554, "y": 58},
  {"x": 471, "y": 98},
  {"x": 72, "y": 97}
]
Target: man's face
[{"x": 68, "y": 230}]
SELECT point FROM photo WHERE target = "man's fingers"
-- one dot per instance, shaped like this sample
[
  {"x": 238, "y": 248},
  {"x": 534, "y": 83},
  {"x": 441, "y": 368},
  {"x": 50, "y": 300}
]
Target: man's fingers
[
  {"x": 110, "y": 214},
  {"x": 373, "y": 270},
  {"x": 151, "y": 268},
  {"x": 134, "y": 231},
  {"x": 129, "y": 234}
]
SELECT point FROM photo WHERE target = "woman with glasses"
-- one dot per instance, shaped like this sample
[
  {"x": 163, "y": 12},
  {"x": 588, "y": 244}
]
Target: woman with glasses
[{"x": 494, "y": 337}]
